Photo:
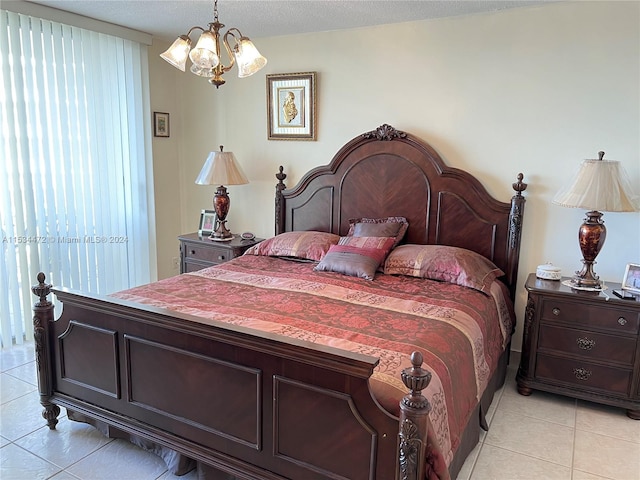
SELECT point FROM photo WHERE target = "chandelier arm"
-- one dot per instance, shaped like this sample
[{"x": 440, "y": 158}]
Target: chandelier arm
[
  {"x": 195, "y": 28},
  {"x": 232, "y": 57}
]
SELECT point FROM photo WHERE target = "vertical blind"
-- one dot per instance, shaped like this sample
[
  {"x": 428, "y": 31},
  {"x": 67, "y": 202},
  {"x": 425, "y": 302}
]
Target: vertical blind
[{"x": 76, "y": 190}]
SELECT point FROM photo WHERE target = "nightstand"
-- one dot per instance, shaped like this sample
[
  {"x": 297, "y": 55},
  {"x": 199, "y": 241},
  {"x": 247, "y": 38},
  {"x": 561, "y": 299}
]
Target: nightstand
[
  {"x": 198, "y": 252},
  {"x": 581, "y": 344}
]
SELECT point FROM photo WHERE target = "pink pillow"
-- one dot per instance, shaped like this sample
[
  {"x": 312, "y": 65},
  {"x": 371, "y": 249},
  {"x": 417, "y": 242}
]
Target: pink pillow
[
  {"x": 440, "y": 262},
  {"x": 308, "y": 245},
  {"x": 356, "y": 256}
]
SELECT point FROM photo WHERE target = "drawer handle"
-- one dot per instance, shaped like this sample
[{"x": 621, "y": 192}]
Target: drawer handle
[
  {"x": 622, "y": 321},
  {"x": 220, "y": 257},
  {"x": 193, "y": 252},
  {"x": 582, "y": 373},
  {"x": 585, "y": 343},
  {"x": 556, "y": 311}
]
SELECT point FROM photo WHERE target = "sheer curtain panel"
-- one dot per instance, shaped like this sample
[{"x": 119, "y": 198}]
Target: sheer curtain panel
[{"x": 76, "y": 190}]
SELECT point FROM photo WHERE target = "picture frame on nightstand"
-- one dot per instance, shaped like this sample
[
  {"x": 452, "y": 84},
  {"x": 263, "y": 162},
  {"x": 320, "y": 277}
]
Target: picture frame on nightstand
[
  {"x": 207, "y": 223},
  {"x": 631, "y": 279}
]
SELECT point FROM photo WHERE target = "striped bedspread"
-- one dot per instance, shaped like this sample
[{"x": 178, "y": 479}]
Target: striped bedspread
[{"x": 461, "y": 332}]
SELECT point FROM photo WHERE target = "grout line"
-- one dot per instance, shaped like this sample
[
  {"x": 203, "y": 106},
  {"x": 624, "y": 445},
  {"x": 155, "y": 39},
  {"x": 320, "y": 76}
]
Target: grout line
[{"x": 575, "y": 429}]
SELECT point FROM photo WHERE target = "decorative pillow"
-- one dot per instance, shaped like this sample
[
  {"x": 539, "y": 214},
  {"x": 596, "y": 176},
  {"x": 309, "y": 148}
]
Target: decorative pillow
[
  {"x": 309, "y": 245},
  {"x": 394, "y": 227},
  {"x": 356, "y": 256},
  {"x": 440, "y": 262}
]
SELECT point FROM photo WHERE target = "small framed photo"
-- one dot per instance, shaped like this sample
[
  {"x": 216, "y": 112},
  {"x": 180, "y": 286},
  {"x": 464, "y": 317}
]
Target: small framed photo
[
  {"x": 207, "y": 223},
  {"x": 631, "y": 279},
  {"x": 160, "y": 124},
  {"x": 291, "y": 106}
]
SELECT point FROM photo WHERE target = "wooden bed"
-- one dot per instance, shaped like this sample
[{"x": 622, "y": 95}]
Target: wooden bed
[{"x": 108, "y": 360}]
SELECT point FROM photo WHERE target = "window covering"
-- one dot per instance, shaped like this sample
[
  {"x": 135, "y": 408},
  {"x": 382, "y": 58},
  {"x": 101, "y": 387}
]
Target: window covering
[{"x": 77, "y": 188}]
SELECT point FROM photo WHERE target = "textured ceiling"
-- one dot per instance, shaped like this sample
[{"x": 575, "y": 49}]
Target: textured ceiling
[{"x": 266, "y": 18}]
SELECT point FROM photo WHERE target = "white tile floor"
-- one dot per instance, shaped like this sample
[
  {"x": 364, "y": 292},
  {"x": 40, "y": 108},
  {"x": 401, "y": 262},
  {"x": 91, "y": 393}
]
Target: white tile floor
[{"x": 541, "y": 437}]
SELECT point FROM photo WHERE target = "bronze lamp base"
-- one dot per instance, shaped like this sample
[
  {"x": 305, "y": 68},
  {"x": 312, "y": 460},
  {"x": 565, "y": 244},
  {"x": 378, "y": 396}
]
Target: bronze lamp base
[
  {"x": 221, "y": 206},
  {"x": 591, "y": 236}
]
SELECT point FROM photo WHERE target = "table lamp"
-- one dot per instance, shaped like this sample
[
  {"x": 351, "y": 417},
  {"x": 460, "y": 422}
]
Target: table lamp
[
  {"x": 221, "y": 168},
  {"x": 599, "y": 186}
]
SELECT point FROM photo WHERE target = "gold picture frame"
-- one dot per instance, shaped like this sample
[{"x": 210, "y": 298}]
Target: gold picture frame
[
  {"x": 160, "y": 124},
  {"x": 291, "y": 106}
]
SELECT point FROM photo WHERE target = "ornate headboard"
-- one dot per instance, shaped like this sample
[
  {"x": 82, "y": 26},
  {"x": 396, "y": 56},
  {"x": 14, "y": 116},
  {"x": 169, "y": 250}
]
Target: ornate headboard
[{"x": 387, "y": 172}]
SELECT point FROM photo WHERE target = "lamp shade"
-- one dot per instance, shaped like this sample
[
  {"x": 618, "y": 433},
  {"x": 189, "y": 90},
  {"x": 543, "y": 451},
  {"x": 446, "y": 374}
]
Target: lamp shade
[
  {"x": 599, "y": 185},
  {"x": 248, "y": 58},
  {"x": 221, "y": 168},
  {"x": 204, "y": 53},
  {"x": 178, "y": 52}
]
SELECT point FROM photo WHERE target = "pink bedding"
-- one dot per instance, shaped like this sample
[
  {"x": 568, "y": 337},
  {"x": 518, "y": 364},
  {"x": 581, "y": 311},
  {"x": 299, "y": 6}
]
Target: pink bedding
[{"x": 460, "y": 331}]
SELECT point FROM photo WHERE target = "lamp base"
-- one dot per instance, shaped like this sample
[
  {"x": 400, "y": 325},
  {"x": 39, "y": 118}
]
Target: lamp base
[
  {"x": 591, "y": 236},
  {"x": 221, "y": 239},
  {"x": 221, "y": 233}
]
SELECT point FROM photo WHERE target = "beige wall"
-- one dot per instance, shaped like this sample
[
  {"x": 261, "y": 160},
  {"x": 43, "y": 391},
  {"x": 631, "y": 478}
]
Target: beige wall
[{"x": 532, "y": 90}]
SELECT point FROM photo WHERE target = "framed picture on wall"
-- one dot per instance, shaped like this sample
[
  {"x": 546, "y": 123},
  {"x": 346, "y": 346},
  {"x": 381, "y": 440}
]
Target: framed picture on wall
[
  {"x": 291, "y": 106},
  {"x": 207, "y": 223},
  {"x": 160, "y": 124}
]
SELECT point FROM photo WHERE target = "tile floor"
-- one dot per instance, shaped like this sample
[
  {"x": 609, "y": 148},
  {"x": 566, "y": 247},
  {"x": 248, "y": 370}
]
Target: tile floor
[{"x": 541, "y": 437}]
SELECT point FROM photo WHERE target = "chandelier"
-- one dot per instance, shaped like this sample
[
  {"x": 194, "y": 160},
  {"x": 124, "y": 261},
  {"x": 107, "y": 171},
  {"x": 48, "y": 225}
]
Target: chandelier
[{"x": 205, "y": 56}]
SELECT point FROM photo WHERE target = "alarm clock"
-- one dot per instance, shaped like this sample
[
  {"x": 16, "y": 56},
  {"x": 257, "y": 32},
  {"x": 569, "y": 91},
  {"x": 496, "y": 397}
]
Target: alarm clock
[{"x": 247, "y": 236}]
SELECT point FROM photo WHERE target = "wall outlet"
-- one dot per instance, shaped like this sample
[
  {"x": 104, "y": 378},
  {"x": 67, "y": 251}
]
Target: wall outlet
[{"x": 175, "y": 263}]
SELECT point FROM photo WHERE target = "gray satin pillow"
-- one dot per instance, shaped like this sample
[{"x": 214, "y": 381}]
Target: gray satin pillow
[
  {"x": 394, "y": 227},
  {"x": 376, "y": 229}
]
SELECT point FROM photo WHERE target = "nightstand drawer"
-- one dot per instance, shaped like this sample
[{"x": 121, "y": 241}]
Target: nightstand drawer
[
  {"x": 194, "y": 266},
  {"x": 585, "y": 375},
  {"x": 582, "y": 314},
  {"x": 211, "y": 254},
  {"x": 590, "y": 345}
]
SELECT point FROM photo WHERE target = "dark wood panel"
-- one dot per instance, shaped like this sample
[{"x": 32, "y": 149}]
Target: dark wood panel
[
  {"x": 217, "y": 396},
  {"x": 313, "y": 213},
  {"x": 89, "y": 358},
  {"x": 476, "y": 234},
  {"x": 341, "y": 447}
]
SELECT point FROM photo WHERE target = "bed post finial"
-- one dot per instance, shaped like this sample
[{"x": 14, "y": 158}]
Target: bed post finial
[
  {"x": 280, "y": 186},
  {"x": 42, "y": 317},
  {"x": 519, "y": 186},
  {"x": 414, "y": 421}
]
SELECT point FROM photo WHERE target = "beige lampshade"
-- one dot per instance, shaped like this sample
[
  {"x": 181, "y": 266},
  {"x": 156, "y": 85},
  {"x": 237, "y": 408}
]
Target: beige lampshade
[
  {"x": 221, "y": 168},
  {"x": 601, "y": 185}
]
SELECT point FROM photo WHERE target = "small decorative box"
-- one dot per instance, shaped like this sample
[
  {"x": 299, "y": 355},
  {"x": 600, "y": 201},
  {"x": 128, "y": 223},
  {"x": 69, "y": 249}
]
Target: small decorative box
[{"x": 548, "y": 271}]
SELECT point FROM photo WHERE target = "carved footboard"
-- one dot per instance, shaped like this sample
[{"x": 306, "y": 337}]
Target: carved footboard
[{"x": 255, "y": 407}]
